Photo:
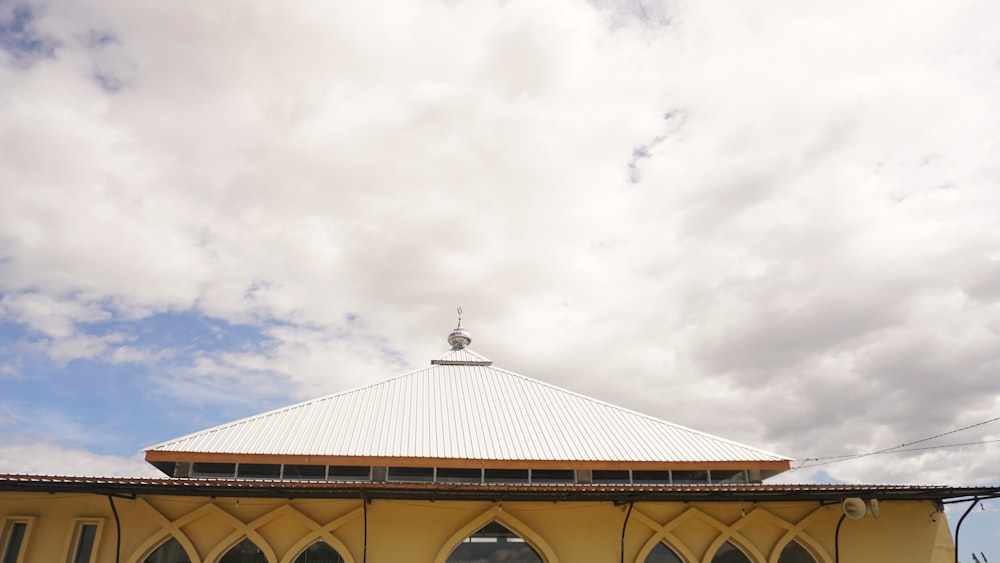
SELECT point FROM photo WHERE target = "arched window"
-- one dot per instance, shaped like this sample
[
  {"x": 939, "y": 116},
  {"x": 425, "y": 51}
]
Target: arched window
[
  {"x": 795, "y": 553},
  {"x": 729, "y": 553},
  {"x": 244, "y": 552},
  {"x": 319, "y": 552},
  {"x": 663, "y": 554},
  {"x": 169, "y": 551},
  {"x": 494, "y": 543}
]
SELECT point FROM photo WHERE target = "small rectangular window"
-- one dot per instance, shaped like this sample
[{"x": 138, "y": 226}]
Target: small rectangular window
[
  {"x": 506, "y": 476},
  {"x": 728, "y": 477},
  {"x": 459, "y": 475},
  {"x": 411, "y": 474},
  {"x": 614, "y": 476},
  {"x": 13, "y": 540},
  {"x": 218, "y": 470},
  {"x": 258, "y": 471},
  {"x": 552, "y": 476},
  {"x": 690, "y": 477},
  {"x": 304, "y": 472},
  {"x": 86, "y": 539},
  {"x": 350, "y": 473},
  {"x": 651, "y": 477}
]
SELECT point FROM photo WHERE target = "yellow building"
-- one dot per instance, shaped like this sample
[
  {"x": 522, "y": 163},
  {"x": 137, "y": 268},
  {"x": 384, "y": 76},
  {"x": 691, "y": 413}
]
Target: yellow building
[{"x": 465, "y": 462}]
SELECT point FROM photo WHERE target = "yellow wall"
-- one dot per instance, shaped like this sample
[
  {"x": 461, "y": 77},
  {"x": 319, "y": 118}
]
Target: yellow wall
[{"x": 402, "y": 531}]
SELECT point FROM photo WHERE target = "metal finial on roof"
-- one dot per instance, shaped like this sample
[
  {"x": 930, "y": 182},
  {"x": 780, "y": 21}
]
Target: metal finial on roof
[{"x": 459, "y": 338}]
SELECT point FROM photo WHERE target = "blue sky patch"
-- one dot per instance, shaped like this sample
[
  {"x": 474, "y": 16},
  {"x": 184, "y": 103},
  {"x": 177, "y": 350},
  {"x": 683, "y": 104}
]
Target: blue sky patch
[
  {"x": 110, "y": 406},
  {"x": 20, "y": 38},
  {"x": 100, "y": 38}
]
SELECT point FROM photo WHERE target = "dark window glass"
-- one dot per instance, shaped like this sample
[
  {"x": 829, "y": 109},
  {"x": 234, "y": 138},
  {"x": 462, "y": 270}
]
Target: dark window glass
[
  {"x": 169, "y": 551},
  {"x": 85, "y": 543},
  {"x": 729, "y": 553},
  {"x": 411, "y": 474},
  {"x": 244, "y": 552},
  {"x": 651, "y": 477},
  {"x": 690, "y": 477},
  {"x": 662, "y": 554},
  {"x": 350, "y": 473},
  {"x": 14, "y": 540},
  {"x": 795, "y": 553},
  {"x": 552, "y": 476},
  {"x": 259, "y": 471},
  {"x": 726, "y": 476},
  {"x": 506, "y": 476},
  {"x": 610, "y": 476},
  {"x": 213, "y": 469},
  {"x": 305, "y": 472},
  {"x": 494, "y": 543},
  {"x": 319, "y": 552},
  {"x": 459, "y": 475}
]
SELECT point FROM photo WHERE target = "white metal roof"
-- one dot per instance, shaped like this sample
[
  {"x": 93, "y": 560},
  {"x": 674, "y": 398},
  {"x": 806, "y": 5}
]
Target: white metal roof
[{"x": 462, "y": 407}]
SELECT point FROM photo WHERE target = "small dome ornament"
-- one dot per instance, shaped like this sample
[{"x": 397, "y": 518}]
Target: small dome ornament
[{"x": 459, "y": 338}]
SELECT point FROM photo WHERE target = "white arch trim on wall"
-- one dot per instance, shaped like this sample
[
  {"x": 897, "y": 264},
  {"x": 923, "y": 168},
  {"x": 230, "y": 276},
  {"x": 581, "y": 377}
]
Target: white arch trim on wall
[
  {"x": 727, "y": 532},
  {"x": 325, "y": 533},
  {"x": 661, "y": 533},
  {"x": 739, "y": 542},
  {"x": 806, "y": 542},
  {"x": 170, "y": 529},
  {"x": 143, "y": 551},
  {"x": 316, "y": 531},
  {"x": 671, "y": 542},
  {"x": 233, "y": 539},
  {"x": 793, "y": 532},
  {"x": 510, "y": 522},
  {"x": 664, "y": 533}
]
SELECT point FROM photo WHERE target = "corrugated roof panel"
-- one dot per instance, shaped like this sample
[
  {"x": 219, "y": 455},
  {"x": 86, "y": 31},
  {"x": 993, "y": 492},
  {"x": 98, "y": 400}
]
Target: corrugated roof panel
[{"x": 461, "y": 407}]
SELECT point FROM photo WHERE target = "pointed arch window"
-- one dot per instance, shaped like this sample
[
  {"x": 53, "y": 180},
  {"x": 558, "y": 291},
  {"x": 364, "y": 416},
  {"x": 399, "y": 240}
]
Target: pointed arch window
[
  {"x": 319, "y": 552},
  {"x": 494, "y": 543},
  {"x": 795, "y": 553},
  {"x": 663, "y": 554},
  {"x": 729, "y": 553},
  {"x": 169, "y": 551},
  {"x": 244, "y": 552}
]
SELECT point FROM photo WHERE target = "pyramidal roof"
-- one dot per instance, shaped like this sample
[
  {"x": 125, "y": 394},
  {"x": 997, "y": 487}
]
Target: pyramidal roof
[{"x": 462, "y": 411}]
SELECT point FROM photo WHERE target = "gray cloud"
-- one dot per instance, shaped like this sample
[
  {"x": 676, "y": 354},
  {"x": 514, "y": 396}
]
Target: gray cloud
[{"x": 807, "y": 264}]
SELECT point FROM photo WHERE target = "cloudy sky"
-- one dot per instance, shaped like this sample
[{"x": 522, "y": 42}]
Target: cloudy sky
[{"x": 775, "y": 221}]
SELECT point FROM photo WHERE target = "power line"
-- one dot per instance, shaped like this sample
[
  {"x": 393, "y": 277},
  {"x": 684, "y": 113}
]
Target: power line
[{"x": 827, "y": 460}]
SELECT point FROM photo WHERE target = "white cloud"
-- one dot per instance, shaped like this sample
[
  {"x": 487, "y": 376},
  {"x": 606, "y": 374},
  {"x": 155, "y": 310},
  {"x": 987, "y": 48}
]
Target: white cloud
[
  {"x": 807, "y": 262},
  {"x": 51, "y": 315},
  {"x": 29, "y": 455}
]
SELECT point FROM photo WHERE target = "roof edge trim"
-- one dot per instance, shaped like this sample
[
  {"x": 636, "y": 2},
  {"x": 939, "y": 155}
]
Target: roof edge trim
[{"x": 377, "y": 461}]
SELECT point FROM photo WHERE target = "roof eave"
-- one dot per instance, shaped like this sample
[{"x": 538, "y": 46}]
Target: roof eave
[
  {"x": 492, "y": 492},
  {"x": 154, "y": 456}
]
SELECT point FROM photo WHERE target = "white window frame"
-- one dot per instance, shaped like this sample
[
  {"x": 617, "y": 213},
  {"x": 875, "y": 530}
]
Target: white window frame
[
  {"x": 73, "y": 543},
  {"x": 6, "y": 528}
]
